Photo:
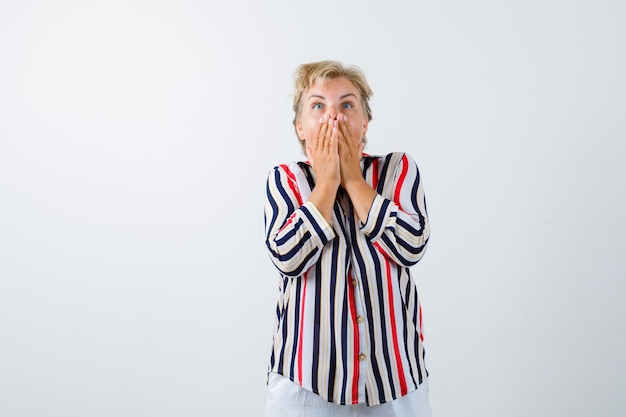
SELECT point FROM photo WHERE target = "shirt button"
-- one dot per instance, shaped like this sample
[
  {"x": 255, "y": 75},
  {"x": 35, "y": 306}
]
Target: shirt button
[
  {"x": 362, "y": 356},
  {"x": 353, "y": 282},
  {"x": 359, "y": 319}
]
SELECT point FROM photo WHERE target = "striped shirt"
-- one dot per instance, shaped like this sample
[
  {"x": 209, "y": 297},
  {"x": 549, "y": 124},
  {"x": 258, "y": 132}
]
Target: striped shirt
[{"x": 348, "y": 321}]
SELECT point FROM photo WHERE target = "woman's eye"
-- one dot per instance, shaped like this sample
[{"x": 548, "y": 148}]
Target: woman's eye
[
  {"x": 318, "y": 106},
  {"x": 347, "y": 105}
]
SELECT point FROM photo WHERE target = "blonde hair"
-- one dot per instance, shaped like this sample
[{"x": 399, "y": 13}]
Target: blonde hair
[{"x": 313, "y": 73}]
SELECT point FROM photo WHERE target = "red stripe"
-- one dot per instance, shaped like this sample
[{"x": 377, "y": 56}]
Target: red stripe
[
  {"x": 380, "y": 248},
  {"x": 289, "y": 221},
  {"x": 293, "y": 184},
  {"x": 392, "y": 318},
  {"x": 375, "y": 174},
  {"x": 301, "y": 330},
  {"x": 355, "y": 325},
  {"x": 405, "y": 169}
]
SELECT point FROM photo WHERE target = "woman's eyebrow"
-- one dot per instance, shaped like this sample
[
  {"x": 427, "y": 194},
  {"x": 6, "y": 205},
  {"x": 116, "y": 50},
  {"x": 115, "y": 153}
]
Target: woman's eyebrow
[{"x": 324, "y": 98}]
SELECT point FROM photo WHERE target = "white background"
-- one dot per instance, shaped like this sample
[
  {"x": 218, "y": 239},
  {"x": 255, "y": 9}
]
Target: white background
[{"x": 135, "y": 140}]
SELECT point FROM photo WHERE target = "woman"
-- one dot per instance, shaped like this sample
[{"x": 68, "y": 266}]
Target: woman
[{"x": 343, "y": 228}]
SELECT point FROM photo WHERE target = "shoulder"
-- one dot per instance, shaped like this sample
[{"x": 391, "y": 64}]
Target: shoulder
[
  {"x": 288, "y": 169},
  {"x": 291, "y": 172},
  {"x": 391, "y": 159}
]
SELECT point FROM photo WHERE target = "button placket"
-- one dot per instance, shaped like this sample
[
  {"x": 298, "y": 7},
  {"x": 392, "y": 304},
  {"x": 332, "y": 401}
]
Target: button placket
[{"x": 360, "y": 320}]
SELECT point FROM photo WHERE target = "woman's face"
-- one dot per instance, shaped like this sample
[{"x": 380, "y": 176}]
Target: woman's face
[{"x": 332, "y": 97}]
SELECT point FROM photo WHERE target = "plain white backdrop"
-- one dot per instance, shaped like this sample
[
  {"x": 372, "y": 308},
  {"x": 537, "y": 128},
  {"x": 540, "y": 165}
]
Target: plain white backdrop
[{"x": 135, "y": 140}]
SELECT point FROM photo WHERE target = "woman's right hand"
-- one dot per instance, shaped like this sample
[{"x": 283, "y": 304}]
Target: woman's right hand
[{"x": 323, "y": 153}]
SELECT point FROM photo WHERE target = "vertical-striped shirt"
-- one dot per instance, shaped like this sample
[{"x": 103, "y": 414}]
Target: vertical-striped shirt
[{"x": 348, "y": 310}]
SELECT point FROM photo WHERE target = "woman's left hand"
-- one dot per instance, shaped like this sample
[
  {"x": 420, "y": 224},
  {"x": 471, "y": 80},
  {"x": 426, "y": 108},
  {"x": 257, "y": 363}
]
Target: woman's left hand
[{"x": 350, "y": 152}]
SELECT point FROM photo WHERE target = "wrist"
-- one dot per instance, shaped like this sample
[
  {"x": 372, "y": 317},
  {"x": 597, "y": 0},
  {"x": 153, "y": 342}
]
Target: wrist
[
  {"x": 327, "y": 185},
  {"x": 353, "y": 183}
]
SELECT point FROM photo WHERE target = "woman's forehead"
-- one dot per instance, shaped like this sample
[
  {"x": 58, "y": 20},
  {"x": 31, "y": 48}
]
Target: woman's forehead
[{"x": 335, "y": 86}]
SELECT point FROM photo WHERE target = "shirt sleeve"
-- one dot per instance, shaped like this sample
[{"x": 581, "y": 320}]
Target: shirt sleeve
[
  {"x": 296, "y": 232},
  {"x": 399, "y": 226}
]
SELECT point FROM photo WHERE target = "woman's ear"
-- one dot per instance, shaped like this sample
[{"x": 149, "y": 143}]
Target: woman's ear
[{"x": 300, "y": 131}]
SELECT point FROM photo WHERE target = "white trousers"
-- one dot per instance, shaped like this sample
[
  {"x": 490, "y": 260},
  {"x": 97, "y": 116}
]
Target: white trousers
[{"x": 287, "y": 399}]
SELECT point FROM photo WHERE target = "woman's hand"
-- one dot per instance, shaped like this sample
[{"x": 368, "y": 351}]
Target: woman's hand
[
  {"x": 350, "y": 152},
  {"x": 323, "y": 152}
]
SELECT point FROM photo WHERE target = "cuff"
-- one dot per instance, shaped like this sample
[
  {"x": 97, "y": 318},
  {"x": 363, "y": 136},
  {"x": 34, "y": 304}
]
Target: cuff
[
  {"x": 321, "y": 231},
  {"x": 382, "y": 215}
]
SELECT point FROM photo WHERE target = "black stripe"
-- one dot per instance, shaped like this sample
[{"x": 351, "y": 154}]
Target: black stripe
[
  {"x": 306, "y": 169},
  {"x": 416, "y": 353},
  {"x": 339, "y": 217},
  {"x": 344, "y": 338},
  {"x": 272, "y": 201},
  {"x": 380, "y": 284},
  {"x": 367, "y": 161},
  {"x": 414, "y": 189},
  {"x": 293, "y": 252},
  {"x": 316, "y": 226},
  {"x": 414, "y": 193},
  {"x": 383, "y": 174},
  {"x": 279, "y": 316},
  {"x": 417, "y": 342},
  {"x": 281, "y": 357},
  {"x": 406, "y": 298},
  {"x": 300, "y": 270},
  {"x": 316, "y": 329},
  {"x": 394, "y": 252},
  {"x": 409, "y": 228},
  {"x": 296, "y": 320},
  {"x": 283, "y": 192},
  {"x": 380, "y": 218},
  {"x": 333, "y": 348},
  {"x": 290, "y": 234}
]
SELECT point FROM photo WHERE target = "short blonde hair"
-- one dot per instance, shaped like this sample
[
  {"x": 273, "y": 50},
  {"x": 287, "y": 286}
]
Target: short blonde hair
[{"x": 313, "y": 73}]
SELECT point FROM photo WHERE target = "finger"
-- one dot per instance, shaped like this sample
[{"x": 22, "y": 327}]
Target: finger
[
  {"x": 316, "y": 133},
  {"x": 328, "y": 133},
  {"x": 320, "y": 132},
  {"x": 348, "y": 148},
  {"x": 340, "y": 127},
  {"x": 324, "y": 132},
  {"x": 334, "y": 137},
  {"x": 331, "y": 127},
  {"x": 344, "y": 127}
]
